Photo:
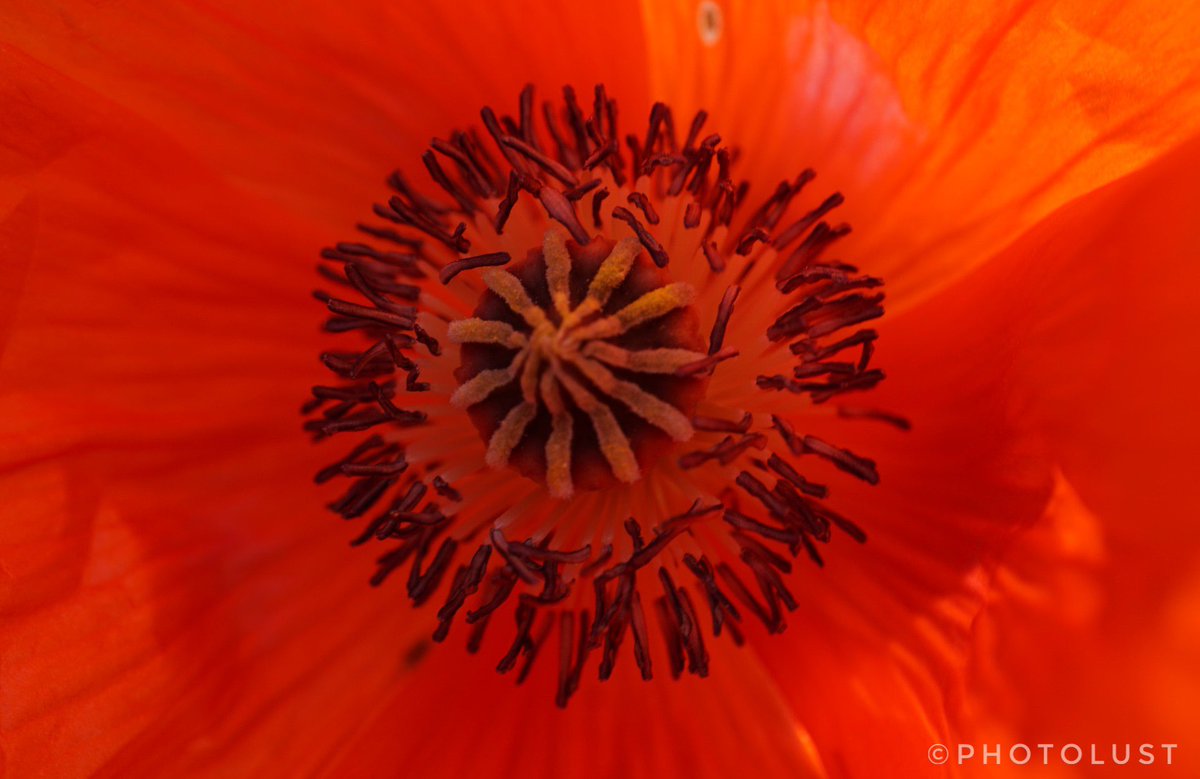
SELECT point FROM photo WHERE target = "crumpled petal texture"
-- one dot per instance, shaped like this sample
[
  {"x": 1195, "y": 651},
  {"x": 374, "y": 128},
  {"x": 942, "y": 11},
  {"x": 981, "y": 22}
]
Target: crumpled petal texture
[{"x": 991, "y": 115}]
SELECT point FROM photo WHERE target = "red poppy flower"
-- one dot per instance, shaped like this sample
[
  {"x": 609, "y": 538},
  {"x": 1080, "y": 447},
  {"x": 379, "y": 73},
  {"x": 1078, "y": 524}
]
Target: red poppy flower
[{"x": 177, "y": 598}]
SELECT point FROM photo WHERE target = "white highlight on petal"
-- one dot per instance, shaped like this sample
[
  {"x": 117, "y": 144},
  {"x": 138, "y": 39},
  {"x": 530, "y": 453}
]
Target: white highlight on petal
[{"x": 710, "y": 22}]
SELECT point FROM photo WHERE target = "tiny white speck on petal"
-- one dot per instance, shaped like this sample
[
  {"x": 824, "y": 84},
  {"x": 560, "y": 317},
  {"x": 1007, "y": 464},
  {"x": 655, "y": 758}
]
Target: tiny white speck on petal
[{"x": 710, "y": 22}]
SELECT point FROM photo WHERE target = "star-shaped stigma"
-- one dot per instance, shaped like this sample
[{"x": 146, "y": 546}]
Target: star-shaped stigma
[{"x": 571, "y": 355}]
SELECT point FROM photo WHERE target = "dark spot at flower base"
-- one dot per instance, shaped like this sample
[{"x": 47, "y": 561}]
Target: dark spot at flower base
[{"x": 416, "y": 653}]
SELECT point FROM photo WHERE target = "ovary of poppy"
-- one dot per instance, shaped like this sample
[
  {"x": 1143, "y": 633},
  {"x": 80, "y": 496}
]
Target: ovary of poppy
[{"x": 172, "y": 162}]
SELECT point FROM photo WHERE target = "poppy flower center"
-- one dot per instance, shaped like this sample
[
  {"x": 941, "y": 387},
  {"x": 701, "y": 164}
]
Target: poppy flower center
[
  {"x": 542, "y": 309},
  {"x": 575, "y": 365}
]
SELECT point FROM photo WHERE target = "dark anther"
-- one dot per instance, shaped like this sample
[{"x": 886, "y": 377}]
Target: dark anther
[
  {"x": 754, "y": 236},
  {"x": 811, "y": 248},
  {"x": 789, "y": 536},
  {"x": 781, "y": 467},
  {"x": 600, "y": 155},
  {"x": 518, "y": 565},
  {"x": 894, "y": 420},
  {"x": 597, "y": 199},
  {"x": 554, "y": 168},
  {"x": 802, "y": 225},
  {"x": 531, "y": 652},
  {"x": 421, "y": 586},
  {"x": 706, "y": 364},
  {"x": 580, "y": 191},
  {"x": 463, "y": 198},
  {"x": 385, "y": 234},
  {"x": 576, "y": 122},
  {"x": 720, "y": 605},
  {"x": 843, "y": 459},
  {"x": 565, "y": 152},
  {"x": 772, "y": 621},
  {"x": 427, "y": 340},
  {"x": 723, "y": 425},
  {"x": 657, "y": 253},
  {"x": 715, "y": 261},
  {"x": 522, "y": 642},
  {"x": 717, "y": 338},
  {"x": 334, "y": 469},
  {"x": 444, "y": 489},
  {"x": 466, "y": 583},
  {"x": 471, "y": 263},
  {"x": 643, "y": 204},
  {"x": 475, "y": 176},
  {"x": 526, "y": 116},
  {"x": 572, "y": 656},
  {"x": 562, "y": 211},
  {"x": 504, "y": 210},
  {"x": 390, "y": 318}
]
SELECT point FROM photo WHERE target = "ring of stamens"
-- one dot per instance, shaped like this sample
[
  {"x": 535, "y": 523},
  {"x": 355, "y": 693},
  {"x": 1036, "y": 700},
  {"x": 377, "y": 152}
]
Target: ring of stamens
[
  {"x": 567, "y": 360},
  {"x": 538, "y": 372}
]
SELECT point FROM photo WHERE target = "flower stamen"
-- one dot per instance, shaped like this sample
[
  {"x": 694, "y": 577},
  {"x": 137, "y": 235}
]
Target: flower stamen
[{"x": 576, "y": 354}]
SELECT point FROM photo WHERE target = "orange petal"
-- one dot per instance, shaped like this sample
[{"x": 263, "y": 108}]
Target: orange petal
[
  {"x": 311, "y": 105},
  {"x": 1042, "y": 370},
  {"x": 1094, "y": 327},
  {"x": 174, "y": 594},
  {"x": 190, "y": 624},
  {"x": 951, "y": 128},
  {"x": 1063, "y": 654},
  {"x": 1097, "y": 338},
  {"x": 457, "y": 717}
]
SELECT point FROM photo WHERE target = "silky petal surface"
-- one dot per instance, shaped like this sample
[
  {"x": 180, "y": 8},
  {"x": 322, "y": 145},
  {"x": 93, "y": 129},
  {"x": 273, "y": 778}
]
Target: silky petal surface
[{"x": 951, "y": 128}]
